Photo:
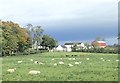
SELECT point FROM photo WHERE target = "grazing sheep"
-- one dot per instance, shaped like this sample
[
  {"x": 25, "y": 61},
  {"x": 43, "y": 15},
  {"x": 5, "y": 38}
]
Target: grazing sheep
[
  {"x": 61, "y": 58},
  {"x": 55, "y": 64},
  {"x": 117, "y": 60},
  {"x": 34, "y": 72},
  {"x": 61, "y": 62},
  {"x": 73, "y": 58},
  {"x": 36, "y": 62},
  {"x": 19, "y": 61},
  {"x": 31, "y": 59},
  {"x": 53, "y": 59},
  {"x": 11, "y": 70},
  {"x": 87, "y": 58},
  {"x": 70, "y": 65},
  {"x": 101, "y": 58},
  {"x": 40, "y": 63},
  {"x": 108, "y": 60},
  {"x": 76, "y": 63}
]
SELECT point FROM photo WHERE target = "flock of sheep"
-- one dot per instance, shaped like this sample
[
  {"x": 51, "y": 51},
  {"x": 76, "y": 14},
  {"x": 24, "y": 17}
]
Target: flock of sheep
[
  {"x": 61, "y": 62},
  {"x": 32, "y": 72}
]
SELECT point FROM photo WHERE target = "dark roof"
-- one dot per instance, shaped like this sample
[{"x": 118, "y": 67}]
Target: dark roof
[
  {"x": 63, "y": 46},
  {"x": 72, "y": 43}
]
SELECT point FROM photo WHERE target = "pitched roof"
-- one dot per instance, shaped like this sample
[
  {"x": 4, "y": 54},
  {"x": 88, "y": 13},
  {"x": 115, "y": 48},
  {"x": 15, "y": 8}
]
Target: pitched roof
[
  {"x": 99, "y": 41},
  {"x": 63, "y": 46},
  {"x": 68, "y": 44},
  {"x": 72, "y": 43}
]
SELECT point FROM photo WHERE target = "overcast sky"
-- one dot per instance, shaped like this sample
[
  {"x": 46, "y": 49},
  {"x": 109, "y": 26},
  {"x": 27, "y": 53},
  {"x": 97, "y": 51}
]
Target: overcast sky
[{"x": 66, "y": 20}]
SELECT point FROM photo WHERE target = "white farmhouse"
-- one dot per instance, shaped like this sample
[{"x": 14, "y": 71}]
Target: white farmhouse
[
  {"x": 61, "y": 48},
  {"x": 70, "y": 45}
]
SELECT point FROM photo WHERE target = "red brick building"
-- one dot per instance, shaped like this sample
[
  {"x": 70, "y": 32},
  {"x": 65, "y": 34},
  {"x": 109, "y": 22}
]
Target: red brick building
[{"x": 99, "y": 44}]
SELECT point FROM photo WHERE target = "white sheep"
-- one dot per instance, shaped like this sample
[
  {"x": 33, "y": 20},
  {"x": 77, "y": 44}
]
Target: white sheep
[
  {"x": 31, "y": 59},
  {"x": 87, "y": 58},
  {"x": 11, "y": 70},
  {"x": 76, "y": 63},
  {"x": 55, "y": 64},
  {"x": 20, "y": 61},
  {"x": 109, "y": 60},
  {"x": 61, "y": 58},
  {"x": 70, "y": 65},
  {"x": 61, "y": 62},
  {"x": 53, "y": 59},
  {"x": 73, "y": 58},
  {"x": 36, "y": 62},
  {"x": 40, "y": 63},
  {"x": 101, "y": 58},
  {"x": 117, "y": 60},
  {"x": 34, "y": 72}
]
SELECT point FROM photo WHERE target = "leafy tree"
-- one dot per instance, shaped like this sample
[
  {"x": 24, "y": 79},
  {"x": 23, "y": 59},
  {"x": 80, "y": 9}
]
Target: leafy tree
[
  {"x": 28, "y": 28},
  {"x": 74, "y": 47},
  {"x": 37, "y": 35},
  {"x": 48, "y": 42},
  {"x": 87, "y": 45},
  {"x": 99, "y": 39},
  {"x": 14, "y": 38},
  {"x": 1, "y": 41},
  {"x": 52, "y": 43}
]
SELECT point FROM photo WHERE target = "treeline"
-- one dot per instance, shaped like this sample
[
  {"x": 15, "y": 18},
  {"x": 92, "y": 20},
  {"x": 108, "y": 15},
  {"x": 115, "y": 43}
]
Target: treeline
[
  {"x": 108, "y": 49},
  {"x": 16, "y": 39}
]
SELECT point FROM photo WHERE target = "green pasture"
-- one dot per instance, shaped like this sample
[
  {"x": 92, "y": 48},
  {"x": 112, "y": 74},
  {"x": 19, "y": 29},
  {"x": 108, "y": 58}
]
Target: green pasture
[{"x": 99, "y": 67}]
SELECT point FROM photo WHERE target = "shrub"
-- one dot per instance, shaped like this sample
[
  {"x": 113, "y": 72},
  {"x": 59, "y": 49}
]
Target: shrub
[
  {"x": 43, "y": 50},
  {"x": 33, "y": 51}
]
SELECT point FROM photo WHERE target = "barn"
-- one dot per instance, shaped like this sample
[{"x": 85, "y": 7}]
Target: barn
[{"x": 99, "y": 44}]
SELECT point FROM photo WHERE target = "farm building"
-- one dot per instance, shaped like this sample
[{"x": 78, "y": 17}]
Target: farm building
[
  {"x": 99, "y": 44},
  {"x": 70, "y": 45},
  {"x": 61, "y": 48}
]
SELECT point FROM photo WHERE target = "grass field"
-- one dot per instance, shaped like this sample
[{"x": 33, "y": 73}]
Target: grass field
[
  {"x": 0, "y": 69},
  {"x": 91, "y": 67}
]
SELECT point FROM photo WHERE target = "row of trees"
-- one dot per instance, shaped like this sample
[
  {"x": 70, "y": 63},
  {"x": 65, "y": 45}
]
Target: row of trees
[
  {"x": 100, "y": 50},
  {"x": 38, "y": 39},
  {"x": 108, "y": 49},
  {"x": 15, "y": 39}
]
